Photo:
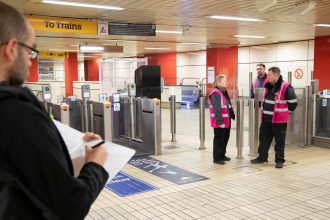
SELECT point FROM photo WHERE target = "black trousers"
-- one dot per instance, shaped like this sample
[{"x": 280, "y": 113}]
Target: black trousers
[
  {"x": 268, "y": 131},
  {"x": 220, "y": 141}
]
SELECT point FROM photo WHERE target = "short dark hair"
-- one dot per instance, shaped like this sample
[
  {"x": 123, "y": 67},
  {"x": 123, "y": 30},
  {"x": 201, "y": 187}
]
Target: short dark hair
[
  {"x": 275, "y": 70},
  {"x": 261, "y": 64},
  {"x": 12, "y": 24}
]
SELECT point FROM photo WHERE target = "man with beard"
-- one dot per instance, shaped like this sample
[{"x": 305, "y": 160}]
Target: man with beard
[
  {"x": 36, "y": 173},
  {"x": 261, "y": 79}
]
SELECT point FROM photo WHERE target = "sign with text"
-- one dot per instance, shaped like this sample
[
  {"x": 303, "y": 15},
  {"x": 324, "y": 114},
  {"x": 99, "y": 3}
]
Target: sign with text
[
  {"x": 132, "y": 29},
  {"x": 166, "y": 171},
  {"x": 53, "y": 55},
  {"x": 62, "y": 25}
]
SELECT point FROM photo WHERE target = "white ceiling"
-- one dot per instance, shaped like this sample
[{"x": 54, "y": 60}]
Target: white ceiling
[{"x": 281, "y": 23}]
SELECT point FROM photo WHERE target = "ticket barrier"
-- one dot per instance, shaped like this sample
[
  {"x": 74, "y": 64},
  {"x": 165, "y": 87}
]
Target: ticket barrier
[
  {"x": 138, "y": 125},
  {"x": 76, "y": 117}
]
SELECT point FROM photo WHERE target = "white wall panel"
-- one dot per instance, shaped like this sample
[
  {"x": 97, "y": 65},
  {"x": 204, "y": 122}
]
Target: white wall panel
[
  {"x": 292, "y": 51},
  {"x": 243, "y": 79},
  {"x": 263, "y": 53},
  {"x": 244, "y": 55},
  {"x": 296, "y": 80},
  {"x": 311, "y": 49}
]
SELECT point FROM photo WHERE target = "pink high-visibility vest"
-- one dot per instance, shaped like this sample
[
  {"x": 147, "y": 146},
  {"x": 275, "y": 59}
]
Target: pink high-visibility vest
[
  {"x": 224, "y": 110},
  {"x": 281, "y": 112},
  {"x": 255, "y": 83}
]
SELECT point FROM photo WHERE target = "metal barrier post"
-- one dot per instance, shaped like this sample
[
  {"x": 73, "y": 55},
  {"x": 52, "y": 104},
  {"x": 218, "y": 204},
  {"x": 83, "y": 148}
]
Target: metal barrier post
[
  {"x": 251, "y": 128},
  {"x": 91, "y": 115},
  {"x": 131, "y": 106},
  {"x": 173, "y": 117},
  {"x": 306, "y": 97},
  {"x": 65, "y": 118},
  {"x": 290, "y": 77},
  {"x": 158, "y": 127},
  {"x": 85, "y": 115},
  {"x": 240, "y": 127},
  {"x": 107, "y": 121},
  {"x": 202, "y": 122}
]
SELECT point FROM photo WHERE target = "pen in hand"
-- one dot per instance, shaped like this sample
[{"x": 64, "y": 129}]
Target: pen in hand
[{"x": 98, "y": 144}]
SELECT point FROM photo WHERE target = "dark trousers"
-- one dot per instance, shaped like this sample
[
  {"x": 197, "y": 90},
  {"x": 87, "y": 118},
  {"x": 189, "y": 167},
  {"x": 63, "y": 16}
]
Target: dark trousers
[
  {"x": 268, "y": 131},
  {"x": 220, "y": 141}
]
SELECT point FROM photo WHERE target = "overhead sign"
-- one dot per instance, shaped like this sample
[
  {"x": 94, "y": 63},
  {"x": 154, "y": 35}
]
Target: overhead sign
[
  {"x": 53, "y": 55},
  {"x": 62, "y": 25},
  {"x": 124, "y": 185},
  {"x": 103, "y": 28},
  {"x": 132, "y": 29},
  {"x": 298, "y": 73},
  {"x": 166, "y": 171}
]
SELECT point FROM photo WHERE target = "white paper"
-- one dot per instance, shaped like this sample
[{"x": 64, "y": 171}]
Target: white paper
[{"x": 118, "y": 155}]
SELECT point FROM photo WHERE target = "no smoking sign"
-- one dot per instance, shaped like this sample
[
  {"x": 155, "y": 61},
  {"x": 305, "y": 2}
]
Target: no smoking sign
[{"x": 298, "y": 73}]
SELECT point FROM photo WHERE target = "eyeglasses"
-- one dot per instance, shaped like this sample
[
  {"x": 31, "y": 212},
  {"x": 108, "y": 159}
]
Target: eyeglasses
[{"x": 33, "y": 53}]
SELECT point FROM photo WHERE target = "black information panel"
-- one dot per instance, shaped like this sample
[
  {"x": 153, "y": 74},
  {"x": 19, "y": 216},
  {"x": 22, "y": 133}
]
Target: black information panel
[{"x": 132, "y": 29}]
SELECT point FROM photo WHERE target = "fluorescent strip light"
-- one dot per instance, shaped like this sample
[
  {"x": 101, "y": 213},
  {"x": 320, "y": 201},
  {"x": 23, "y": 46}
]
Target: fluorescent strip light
[
  {"x": 234, "y": 18},
  {"x": 322, "y": 25},
  {"x": 250, "y": 36},
  {"x": 156, "y": 48},
  {"x": 192, "y": 43},
  {"x": 170, "y": 32},
  {"x": 91, "y": 48},
  {"x": 55, "y": 49},
  {"x": 81, "y": 5}
]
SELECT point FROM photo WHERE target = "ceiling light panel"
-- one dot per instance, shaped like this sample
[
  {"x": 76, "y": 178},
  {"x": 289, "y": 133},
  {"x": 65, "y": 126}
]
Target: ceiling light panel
[{"x": 76, "y": 4}]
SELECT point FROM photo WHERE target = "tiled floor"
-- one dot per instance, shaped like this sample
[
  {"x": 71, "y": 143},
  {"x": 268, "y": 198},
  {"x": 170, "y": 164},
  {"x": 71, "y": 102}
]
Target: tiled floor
[{"x": 236, "y": 190}]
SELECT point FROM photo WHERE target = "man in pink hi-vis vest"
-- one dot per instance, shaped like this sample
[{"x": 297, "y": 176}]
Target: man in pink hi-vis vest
[
  {"x": 261, "y": 79},
  {"x": 279, "y": 100}
]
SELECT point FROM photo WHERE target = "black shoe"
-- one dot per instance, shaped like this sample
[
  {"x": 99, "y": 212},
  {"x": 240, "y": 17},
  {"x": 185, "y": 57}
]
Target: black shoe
[
  {"x": 221, "y": 162},
  {"x": 258, "y": 160},
  {"x": 226, "y": 158},
  {"x": 279, "y": 165}
]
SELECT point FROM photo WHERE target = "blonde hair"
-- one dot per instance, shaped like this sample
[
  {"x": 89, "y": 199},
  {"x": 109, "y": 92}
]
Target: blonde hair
[{"x": 218, "y": 78}]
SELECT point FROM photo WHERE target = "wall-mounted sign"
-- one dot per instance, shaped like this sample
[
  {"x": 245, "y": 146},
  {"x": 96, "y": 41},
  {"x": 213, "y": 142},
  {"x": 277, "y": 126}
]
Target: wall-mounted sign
[
  {"x": 62, "y": 25},
  {"x": 298, "y": 73},
  {"x": 210, "y": 74},
  {"x": 53, "y": 55},
  {"x": 132, "y": 29}
]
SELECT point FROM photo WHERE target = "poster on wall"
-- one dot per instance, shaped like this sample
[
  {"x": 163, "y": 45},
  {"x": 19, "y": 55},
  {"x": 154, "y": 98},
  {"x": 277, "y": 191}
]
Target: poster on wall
[{"x": 210, "y": 74}]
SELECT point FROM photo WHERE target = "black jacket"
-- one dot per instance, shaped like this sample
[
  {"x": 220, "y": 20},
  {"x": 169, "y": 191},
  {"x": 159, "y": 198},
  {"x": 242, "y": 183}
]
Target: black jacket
[
  {"x": 35, "y": 166},
  {"x": 216, "y": 102}
]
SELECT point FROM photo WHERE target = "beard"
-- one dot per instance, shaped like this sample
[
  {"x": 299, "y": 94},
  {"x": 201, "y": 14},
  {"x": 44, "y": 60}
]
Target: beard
[{"x": 19, "y": 72}]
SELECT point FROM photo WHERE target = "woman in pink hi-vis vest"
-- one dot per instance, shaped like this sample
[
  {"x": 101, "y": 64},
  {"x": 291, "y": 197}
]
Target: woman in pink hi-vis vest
[{"x": 221, "y": 113}]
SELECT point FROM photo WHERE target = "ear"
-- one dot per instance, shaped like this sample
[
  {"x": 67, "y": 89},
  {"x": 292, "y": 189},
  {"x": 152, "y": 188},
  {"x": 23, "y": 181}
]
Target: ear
[{"x": 11, "y": 50}]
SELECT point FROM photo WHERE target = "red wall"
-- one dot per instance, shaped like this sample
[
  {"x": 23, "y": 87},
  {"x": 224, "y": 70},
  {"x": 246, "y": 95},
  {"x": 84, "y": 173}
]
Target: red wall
[
  {"x": 224, "y": 61},
  {"x": 91, "y": 70},
  {"x": 322, "y": 61},
  {"x": 33, "y": 71},
  {"x": 71, "y": 72},
  {"x": 167, "y": 63}
]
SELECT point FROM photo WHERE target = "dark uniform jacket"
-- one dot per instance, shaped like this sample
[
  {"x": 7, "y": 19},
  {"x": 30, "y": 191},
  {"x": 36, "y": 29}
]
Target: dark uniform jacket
[
  {"x": 36, "y": 173},
  {"x": 272, "y": 90},
  {"x": 216, "y": 102}
]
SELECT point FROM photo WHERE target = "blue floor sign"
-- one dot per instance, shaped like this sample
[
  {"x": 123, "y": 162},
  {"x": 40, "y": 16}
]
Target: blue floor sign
[
  {"x": 124, "y": 185},
  {"x": 166, "y": 171}
]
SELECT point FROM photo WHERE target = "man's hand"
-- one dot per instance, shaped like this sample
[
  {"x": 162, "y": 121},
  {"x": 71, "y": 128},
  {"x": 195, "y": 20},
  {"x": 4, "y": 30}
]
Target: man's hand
[
  {"x": 222, "y": 126},
  {"x": 97, "y": 155}
]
